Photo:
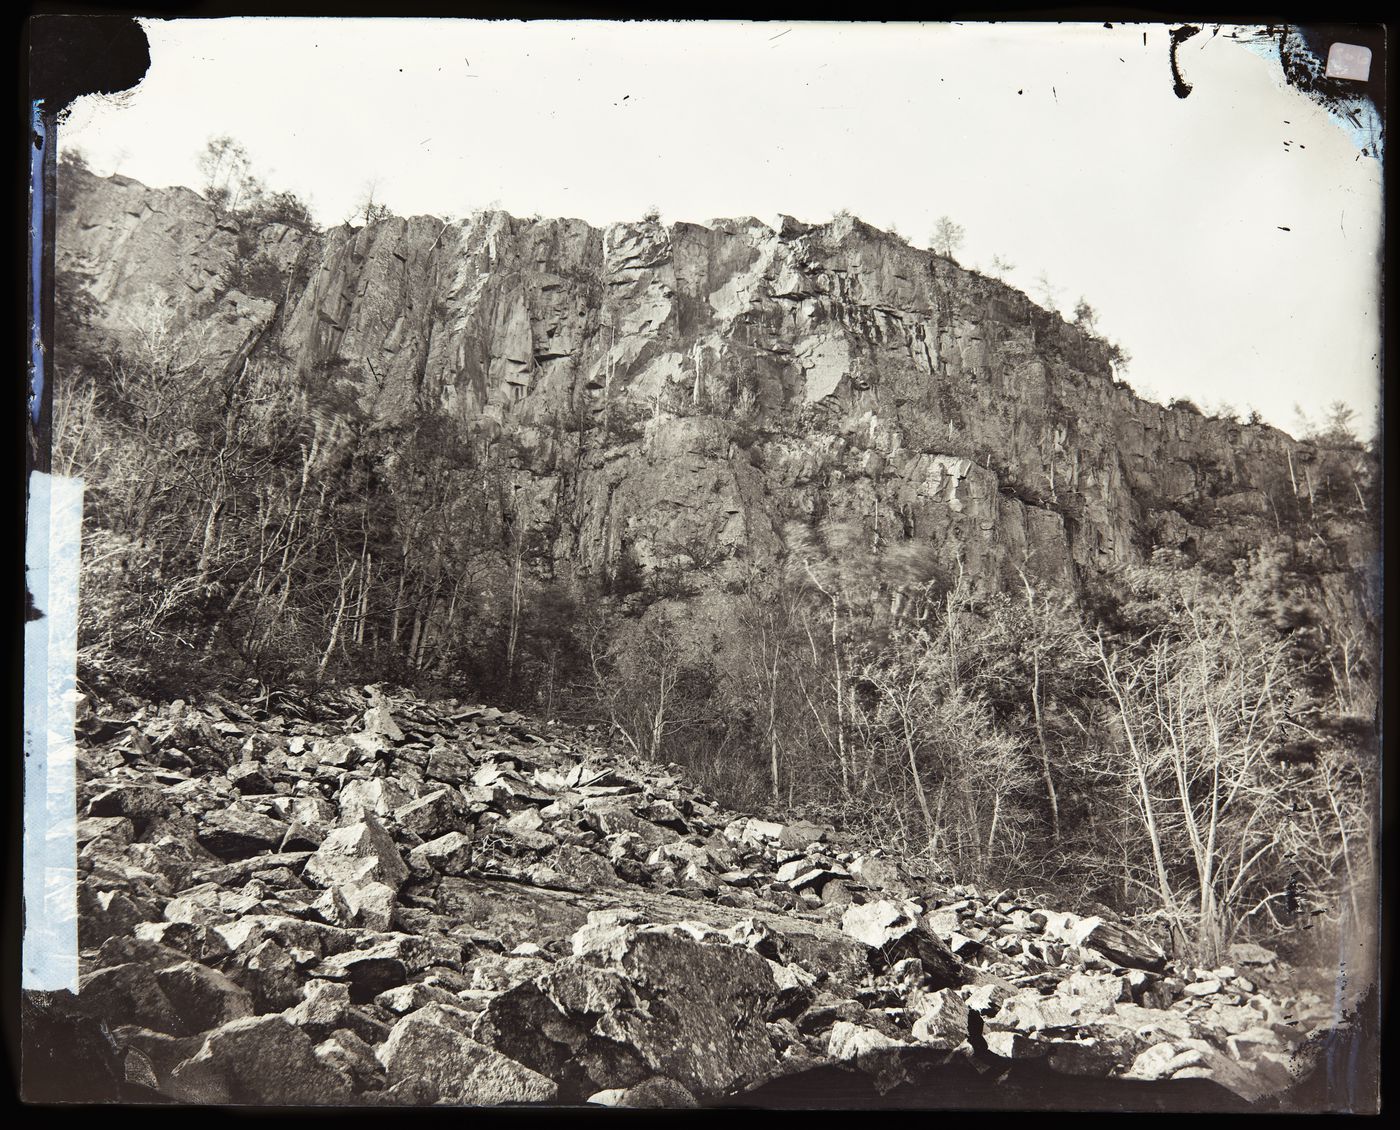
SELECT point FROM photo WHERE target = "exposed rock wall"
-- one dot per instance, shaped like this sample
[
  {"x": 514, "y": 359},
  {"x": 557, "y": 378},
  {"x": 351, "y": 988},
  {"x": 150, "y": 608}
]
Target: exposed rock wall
[{"x": 678, "y": 392}]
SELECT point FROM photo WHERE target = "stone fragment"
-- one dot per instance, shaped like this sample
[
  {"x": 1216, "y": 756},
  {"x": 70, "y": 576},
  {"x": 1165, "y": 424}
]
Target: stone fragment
[
  {"x": 943, "y": 1019},
  {"x": 322, "y": 1009},
  {"x": 458, "y": 1069},
  {"x": 447, "y": 855},
  {"x": 249, "y": 778},
  {"x": 365, "y": 800},
  {"x": 259, "y": 1060},
  {"x": 893, "y": 932},
  {"x": 358, "y": 853},
  {"x": 368, "y": 972},
  {"x": 372, "y": 905},
  {"x": 202, "y": 997},
  {"x": 236, "y": 833},
  {"x": 657, "y": 1093},
  {"x": 847, "y": 1041},
  {"x": 129, "y": 994},
  {"x": 431, "y": 816},
  {"x": 347, "y": 1053},
  {"x": 797, "y": 836},
  {"x": 118, "y": 829}
]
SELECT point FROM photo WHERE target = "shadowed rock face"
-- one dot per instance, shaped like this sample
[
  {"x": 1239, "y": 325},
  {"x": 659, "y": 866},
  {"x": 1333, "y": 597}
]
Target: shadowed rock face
[{"x": 680, "y": 392}]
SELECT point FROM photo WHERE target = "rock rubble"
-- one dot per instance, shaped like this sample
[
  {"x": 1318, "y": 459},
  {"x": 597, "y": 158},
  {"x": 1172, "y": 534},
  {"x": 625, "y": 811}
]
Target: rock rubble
[{"x": 384, "y": 901}]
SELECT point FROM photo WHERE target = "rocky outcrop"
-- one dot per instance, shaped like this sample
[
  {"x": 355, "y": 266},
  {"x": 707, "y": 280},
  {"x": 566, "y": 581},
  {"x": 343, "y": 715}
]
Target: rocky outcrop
[
  {"x": 473, "y": 909},
  {"x": 675, "y": 394}
]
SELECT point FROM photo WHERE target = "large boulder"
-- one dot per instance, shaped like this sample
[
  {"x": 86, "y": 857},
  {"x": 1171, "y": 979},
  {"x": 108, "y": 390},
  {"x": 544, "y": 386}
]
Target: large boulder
[
  {"x": 691, "y": 1011},
  {"x": 455, "y": 1068},
  {"x": 358, "y": 853},
  {"x": 895, "y": 932},
  {"x": 262, "y": 1060}
]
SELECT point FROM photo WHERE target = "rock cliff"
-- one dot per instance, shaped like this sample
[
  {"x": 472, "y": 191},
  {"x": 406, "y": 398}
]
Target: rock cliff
[{"x": 676, "y": 393}]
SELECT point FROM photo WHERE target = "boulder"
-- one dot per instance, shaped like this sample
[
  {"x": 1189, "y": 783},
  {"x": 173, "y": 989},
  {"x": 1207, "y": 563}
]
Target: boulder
[
  {"x": 236, "y": 833},
  {"x": 893, "y": 932},
  {"x": 260, "y": 1060},
  {"x": 359, "y": 853},
  {"x": 202, "y": 997},
  {"x": 129, "y": 994},
  {"x": 433, "y": 815},
  {"x": 447, "y": 855},
  {"x": 797, "y": 836},
  {"x": 456, "y": 1068},
  {"x": 943, "y": 1018}
]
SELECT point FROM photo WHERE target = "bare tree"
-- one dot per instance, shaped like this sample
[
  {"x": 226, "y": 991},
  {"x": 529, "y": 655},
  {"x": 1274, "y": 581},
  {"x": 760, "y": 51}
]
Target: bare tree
[{"x": 947, "y": 237}]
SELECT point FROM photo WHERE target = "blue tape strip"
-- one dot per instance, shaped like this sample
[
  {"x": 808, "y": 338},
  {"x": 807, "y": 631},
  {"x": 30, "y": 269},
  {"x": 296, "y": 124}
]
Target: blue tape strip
[
  {"x": 36, "y": 258},
  {"x": 50, "y": 948}
]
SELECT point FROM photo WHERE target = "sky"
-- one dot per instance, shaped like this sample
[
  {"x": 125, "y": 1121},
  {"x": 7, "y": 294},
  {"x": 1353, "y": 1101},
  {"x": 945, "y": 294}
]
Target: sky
[{"x": 1059, "y": 148}]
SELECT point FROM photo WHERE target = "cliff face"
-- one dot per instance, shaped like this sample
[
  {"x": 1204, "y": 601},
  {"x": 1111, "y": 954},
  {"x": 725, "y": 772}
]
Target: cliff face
[{"x": 676, "y": 393}]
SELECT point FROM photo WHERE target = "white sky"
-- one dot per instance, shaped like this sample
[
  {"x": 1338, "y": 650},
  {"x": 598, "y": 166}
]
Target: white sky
[{"x": 1061, "y": 148}]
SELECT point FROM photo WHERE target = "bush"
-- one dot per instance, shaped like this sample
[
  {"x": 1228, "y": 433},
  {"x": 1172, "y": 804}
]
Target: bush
[{"x": 283, "y": 208}]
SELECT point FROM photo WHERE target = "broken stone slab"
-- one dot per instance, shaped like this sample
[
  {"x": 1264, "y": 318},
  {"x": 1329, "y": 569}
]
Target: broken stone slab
[
  {"x": 456, "y": 1068},
  {"x": 799, "y": 835},
  {"x": 1163, "y": 1060},
  {"x": 322, "y": 1009},
  {"x": 524, "y": 821},
  {"x": 1010, "y": 1044},
  {"x": 161, "y": 944},
  {"x": 665, "y": 814},
  {"x": 701, "y": 1017},
  {"x": 136, "y": 802},
  {"x": 116, "y": 829},
  {"x": 526, "y": 1024},
  {"x": 433, "y": 815},
  {"x": 250, "y": 779},
  {"x": 272, "y": 976},
  {"x": 372, "y": 905},
  {"x": 235, "y": 874},
  {"x": 450, "y": 854},
  {"x": 1151, "y": 1024},
  {"x": 159, "y": 1052},
  {"x": 347, "y": 1053},
  {"x": 1098, "y": 992},
  {"x": 1093, "y": 1056},
  {"x": 359, "y": 853},
  {"x": 451, "y": 766},
  {"x": 1030, "y": 1012},
  {"x": 129, "y": 994},
  {"x": 1126, "y": 947},
  {"x": 943, "y": 1018},
  {"x": 656, "y": 1093},
  {"x": 612, "y": 818},
  {"x": 380, "y": 720},
  {"x": 366, "y": 799},
  {"x": 409, "y": 998},
  {"x": 1248, "y": 953},
  {"x": 202, "y": 997},
  {"x": 306, "y": 941},
  {"x": 893, "y": 932},
  {"x": 847, "y": 1041},
  {"x": 1202, "y": 988},
  {"x": 367, "y": 972},
  {"x": 880, "y": 874},
  {"x": 259, "y": 1060},
  {"x": 236, "y": 833}
]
